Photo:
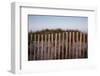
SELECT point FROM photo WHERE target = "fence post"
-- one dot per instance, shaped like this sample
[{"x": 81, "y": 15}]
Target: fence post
[
  {"x": 34, "y": 46},
  {"x": 80, "y": 45},
  {"x": 59, "y": 46},
  {"x": 31, "y": 49},
  {"x": 66, "y": 45},
  {"x": 76, "y": 44},
  {"x": 45, "y": 46},
  {"x": 52, "y": 49},
  {"x": 69, "y": 45},
  {"x": 41, "y": 46},
  {"x": 55, "y": 51},
  {"x": 48, "y": 46},
  {"x": 62, "y": 50},
  {"x": 73, "y": 42},
  {"x": 38, "y": 46},
  {"x": 83, "y": 45}
]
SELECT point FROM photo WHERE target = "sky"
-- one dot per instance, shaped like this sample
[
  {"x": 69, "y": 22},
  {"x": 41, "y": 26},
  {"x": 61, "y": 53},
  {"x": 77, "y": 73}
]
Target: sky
[{"x": 40, "y": 22}]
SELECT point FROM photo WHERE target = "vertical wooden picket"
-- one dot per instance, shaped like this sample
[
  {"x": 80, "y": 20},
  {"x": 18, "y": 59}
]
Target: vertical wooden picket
[
  {"x": 55, "y": 49},
  {"x": 83, "y": 45},
  {"x": 37, "y": 45},
  {"x": 41, "y": 53},
  {"x": 51, "y": 54},
  {"x": 62, "y": 44},
  {"x": 73, "y": 42},
  {"x": 66, "y": 45},
  {"x": 34, "y": 46},
  {"x": 76, "y": 45},
  {"x": 45, "y": 46},
  {"x": 48, "y": 54},
  {"x": 69, "y": 45},
  {"x": 59, "y": 46},
  {"x": 80, "y": 51},
  {"x": 31, "y": 49}
]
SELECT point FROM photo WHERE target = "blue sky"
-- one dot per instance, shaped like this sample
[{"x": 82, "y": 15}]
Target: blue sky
[{"x": 40, "y": 22}]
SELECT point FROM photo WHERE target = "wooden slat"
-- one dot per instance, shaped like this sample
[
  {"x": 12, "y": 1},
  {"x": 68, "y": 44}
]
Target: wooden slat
[
  {"x": 80, "y": 51},
  {"x": 84, "y": 43},
  {"x": 69, "y": 45},
  {"x": 55, "y": 46},
  {"x": 35, "y": 47},
  {"x": 31, "y": 49},
  {"x": 38, "y": 45},
  {"x": 62, "y": 46},
  {"x": 45, "y": 46},
  {"x": 41, "y": 46},
  {"x": 52, "y": 49},
  {"x": 59, "y": 46},
  {"x": 48, "y": 46},
  {"x": 76, "y": 45},
  {"x": 73, "y": 51},
  {"x": 66, "y": 43}
]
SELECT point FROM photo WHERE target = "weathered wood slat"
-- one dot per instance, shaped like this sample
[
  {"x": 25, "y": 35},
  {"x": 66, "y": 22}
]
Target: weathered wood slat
[
  {"x": 41, "y": 46},
  {"x": 73, "y": 49},
  {"x": 62, "y": 56},
  {"x": 69, "y": 45},
  {"x": 66, "y": 44},
  {"x": 77, "y": 45},
  {"x": 59, "y": 46},
  {"x": 55, "y": 54},
  {"x": 48, "y": 46},
  {"x": 83, "y": 45},
  {"x": 80, "y": 45}
]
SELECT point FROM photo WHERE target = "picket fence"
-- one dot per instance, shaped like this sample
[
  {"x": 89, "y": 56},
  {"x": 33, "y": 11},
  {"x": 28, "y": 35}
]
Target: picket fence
[{"x": 65, "y": 45}]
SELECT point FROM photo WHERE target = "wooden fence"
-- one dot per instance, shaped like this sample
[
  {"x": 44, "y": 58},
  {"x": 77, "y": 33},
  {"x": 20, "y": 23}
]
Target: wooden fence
[{"x": 65, "y": 45}]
